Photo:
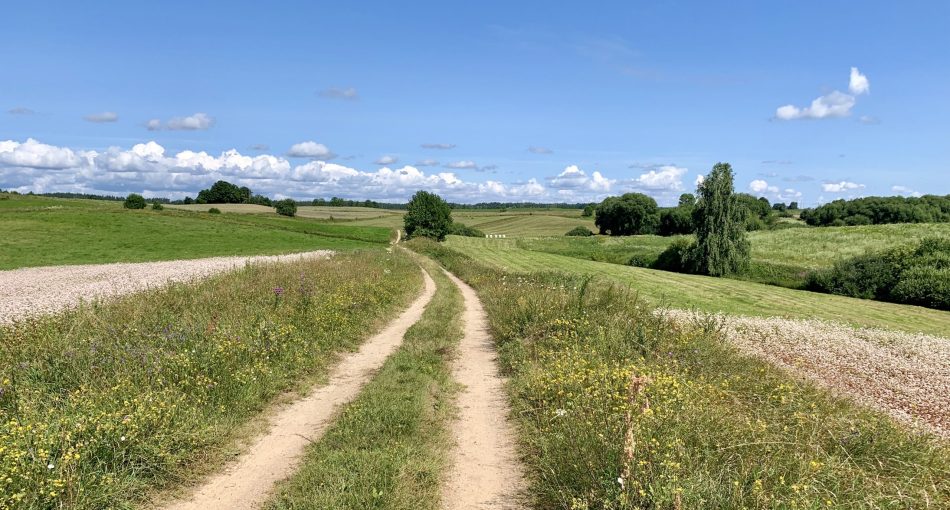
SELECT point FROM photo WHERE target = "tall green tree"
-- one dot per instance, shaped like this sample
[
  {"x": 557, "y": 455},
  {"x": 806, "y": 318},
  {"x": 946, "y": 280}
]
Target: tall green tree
[
  {"x": 427, "y": 215},
  {"x": 719, "y": 219},
  {"x": 628, "y": 214}
]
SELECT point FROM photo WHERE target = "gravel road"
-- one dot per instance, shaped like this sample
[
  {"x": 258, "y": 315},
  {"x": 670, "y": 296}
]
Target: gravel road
[{"x": 37, "y": 290}]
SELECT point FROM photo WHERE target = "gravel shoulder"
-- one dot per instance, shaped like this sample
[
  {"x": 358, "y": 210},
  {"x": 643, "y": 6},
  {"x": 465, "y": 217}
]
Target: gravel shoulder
[{"x": 38, "y": 290}]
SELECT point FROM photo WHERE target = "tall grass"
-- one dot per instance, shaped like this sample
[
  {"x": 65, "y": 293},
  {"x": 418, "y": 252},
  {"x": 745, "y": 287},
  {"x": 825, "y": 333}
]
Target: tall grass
[
  {"x": 620, "y": 408},
  {"x": 101, "y": 403}
]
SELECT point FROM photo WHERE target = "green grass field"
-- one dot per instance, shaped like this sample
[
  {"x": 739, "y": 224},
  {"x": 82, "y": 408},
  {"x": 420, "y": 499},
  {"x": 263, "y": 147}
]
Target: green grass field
[
  {"x": 511, "y": 222},
  {"x": 38, "y": 231},
  {"x": 712, "y": 294}
]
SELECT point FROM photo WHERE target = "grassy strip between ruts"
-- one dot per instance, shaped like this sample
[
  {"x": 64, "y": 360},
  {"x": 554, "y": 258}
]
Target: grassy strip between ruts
[
  {"x": 388, "y": 448},
  {"x": 100, "y": 404},
  {"x": 711, "y": 294},
  {"x": 619, "y": 407}
]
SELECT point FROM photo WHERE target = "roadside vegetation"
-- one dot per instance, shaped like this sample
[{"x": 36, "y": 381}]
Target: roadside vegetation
[
  {"x": 100, "y": 404},
  {"x": 388, "y": 449},
  {"x": 621, "y": 407}
]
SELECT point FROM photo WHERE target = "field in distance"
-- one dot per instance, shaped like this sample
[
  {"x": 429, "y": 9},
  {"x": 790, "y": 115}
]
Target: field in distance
[
  {"x": 712, "y": 294},
  {"x": 40, "y": 231}
]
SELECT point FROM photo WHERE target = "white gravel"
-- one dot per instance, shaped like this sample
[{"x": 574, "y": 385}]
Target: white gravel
[
  {"x": 905, "y": 375},
  {"x": 37, "y": 290}
]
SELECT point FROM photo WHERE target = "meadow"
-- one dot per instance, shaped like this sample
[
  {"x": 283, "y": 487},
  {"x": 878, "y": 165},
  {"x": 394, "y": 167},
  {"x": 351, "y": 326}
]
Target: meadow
[
  {"x": 39, "y": 231},
  {"x": 620, "y": 407},
  {"x": 100, "y": 405},
  {"x": 708, "y": 293}
]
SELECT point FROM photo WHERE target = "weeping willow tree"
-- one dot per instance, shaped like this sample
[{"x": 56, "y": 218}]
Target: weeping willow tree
[{"x": 719, "y": 219}]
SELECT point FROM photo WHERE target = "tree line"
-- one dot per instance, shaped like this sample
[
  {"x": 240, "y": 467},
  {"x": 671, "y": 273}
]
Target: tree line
[{"x": 880, "y": 210}]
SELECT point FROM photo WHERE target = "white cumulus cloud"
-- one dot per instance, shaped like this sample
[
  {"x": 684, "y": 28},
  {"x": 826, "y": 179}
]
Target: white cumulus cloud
[
  {"x": 386, "y": 160},
  {"x": 573, "y": 178},
  {"x": 462, "y": 165},
  {"x": 831, "y": 105},
  {"x": 838, "y": 187},
  {"x": 663, "y": 178},
  {"x": 309, "y": 149},
  {"x": 198, "y": 121},
  {"x": 904, "y": 190}
]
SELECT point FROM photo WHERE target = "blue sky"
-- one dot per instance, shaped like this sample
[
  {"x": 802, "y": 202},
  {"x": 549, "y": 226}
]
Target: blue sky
[{"x": 536, "y": 101}]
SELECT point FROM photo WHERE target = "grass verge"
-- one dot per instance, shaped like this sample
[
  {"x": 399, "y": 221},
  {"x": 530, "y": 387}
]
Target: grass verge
[
  {"x": 102, "y": 403},
  {"x": 619, "y": 407},
  {"x": 388, "y": 448}
]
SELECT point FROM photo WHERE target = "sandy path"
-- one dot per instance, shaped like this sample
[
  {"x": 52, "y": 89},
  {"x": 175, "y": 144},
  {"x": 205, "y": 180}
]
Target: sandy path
[
  {"x": 275, "y": 455},
  {"x": 485, "y": 470},
  {"x": 37, "y": 290}
]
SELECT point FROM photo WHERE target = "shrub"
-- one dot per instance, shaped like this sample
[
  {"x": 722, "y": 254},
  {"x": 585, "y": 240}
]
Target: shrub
[
  {"x": 427, "y": 215},
  {"x": 134, "y": 201},
  {"x": 460, "y": 229},
  {"x": 676, "y": 221},
  {"x": 214, "y": 210},
  {"x": 679, "y": 256},
  {"x": 157, "y": 206},
  {"x": 588, "y": 211},
  {"x": 579, "y": 231},
  {"x": 286, "y": 207}
]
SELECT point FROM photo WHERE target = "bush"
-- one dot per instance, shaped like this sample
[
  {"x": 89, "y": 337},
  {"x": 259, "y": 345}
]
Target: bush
[
  {"x": 460, "y": 229},
  {"x": 916, "y": 276},
  {"x": 579, "y": 232},
  {"x": 588, "y": 211},
  {"x": 427, "y": 215},
  {"x": 676, "y": 221},
  {"x": 214, "y": 210},
  {"x": 156, "y": 206},
  {"x": 286, "y": 207},
  {"x": 134, "y": 201},
  {"x": 679, "y": 256}
]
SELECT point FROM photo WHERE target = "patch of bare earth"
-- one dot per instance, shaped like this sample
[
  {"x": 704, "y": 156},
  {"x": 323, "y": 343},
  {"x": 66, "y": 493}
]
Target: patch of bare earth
[
  {"x": 38, "y": 290},
  {"x": 275, "y": 455},
  {"x": 905, "y": 375},
  {"x": 485, "y": 472}
]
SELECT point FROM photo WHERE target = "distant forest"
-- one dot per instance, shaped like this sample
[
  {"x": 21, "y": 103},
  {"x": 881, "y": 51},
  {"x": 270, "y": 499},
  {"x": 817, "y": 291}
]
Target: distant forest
[{"x": 879, "y": 210}]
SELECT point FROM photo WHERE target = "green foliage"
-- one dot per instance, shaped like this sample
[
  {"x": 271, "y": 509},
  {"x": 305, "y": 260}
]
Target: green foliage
[
  {"x": 223, "y": 192},
  {"x": 579, "y": 231},
  {"x": 460, "y": 229},
  {"x": 676, "y": 221},
  {"x": 880, "y": 210},
  {"x": 918, "y": 276},
  {"x": 721, "y": 244},
  {"x": 679, "y": 256},
  {"x": 286, "y": 207},
  {"x": 427, "y": 215},
  {"x": 588, "y": 211},
  {"x": 214, "y": 210},
  {"x": 157, "y": 206},
  {"x": 628, "y": 214},
  {"x": 134, "y": 201}
]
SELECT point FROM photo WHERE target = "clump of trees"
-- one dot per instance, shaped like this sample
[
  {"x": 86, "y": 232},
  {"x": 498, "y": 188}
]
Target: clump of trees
[
  {"x": 223, "y": 192},
  {"x": 628, "y": 214},
  {"x": 719, "y": 219},
  {"x": 678, "y": 220},
  {"x": 880, "y": 210},
  {"x": 286, "y": 207},
  {"x": 134, "y": 201},
  {"x": 917, "y": 275},
  {"x": 427, "y": 215}
]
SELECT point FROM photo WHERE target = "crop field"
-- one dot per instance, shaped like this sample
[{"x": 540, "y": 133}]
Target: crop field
[
  {"x": 511, "y": 222},
  {"x": 226, "y": 208},
  {"x": 37, "y": 231},
  {"x": 712, "y": 294}
]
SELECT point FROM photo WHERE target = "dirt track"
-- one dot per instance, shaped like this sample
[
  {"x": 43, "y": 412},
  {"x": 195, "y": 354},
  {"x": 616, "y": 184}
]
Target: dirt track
[
  {"x": 485, "y": 472},
  {"x": 276, "y": 454},
  {"x": 38, "y": 290}
]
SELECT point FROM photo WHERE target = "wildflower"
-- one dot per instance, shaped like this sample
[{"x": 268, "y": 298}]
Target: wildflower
[
  {"x": 560, "y": 413},
  {"x": 620, "y": 481},
  {"x": 278, "y": 291},
  {"x": 50, "y": 466}
]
